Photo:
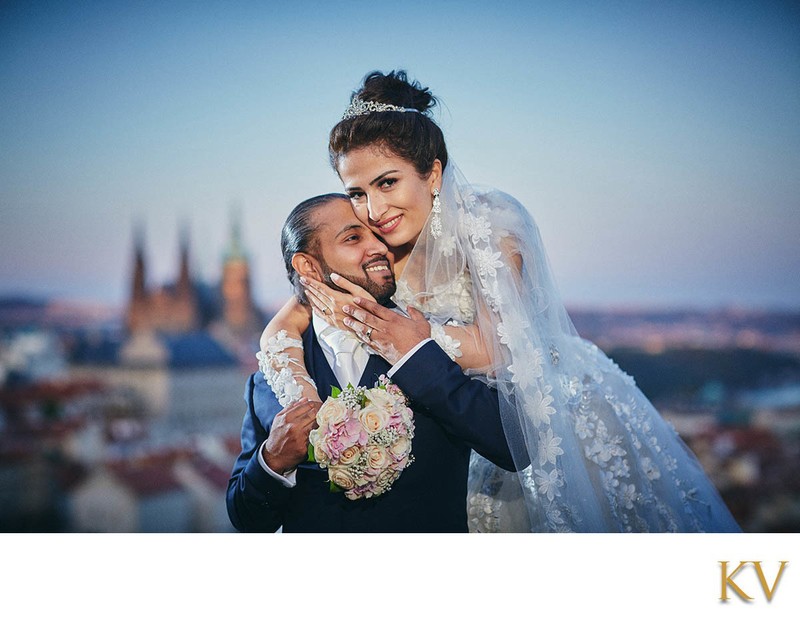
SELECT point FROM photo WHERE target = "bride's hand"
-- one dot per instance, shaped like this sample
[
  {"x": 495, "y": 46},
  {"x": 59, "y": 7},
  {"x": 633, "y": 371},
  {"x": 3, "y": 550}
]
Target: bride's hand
[
  {"x": 388, "y": 333},
  {"x": 329, "y": 303}
]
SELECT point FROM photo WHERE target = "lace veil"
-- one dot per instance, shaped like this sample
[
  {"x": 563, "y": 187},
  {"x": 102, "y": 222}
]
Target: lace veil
[{"x": 593, "y": 454}]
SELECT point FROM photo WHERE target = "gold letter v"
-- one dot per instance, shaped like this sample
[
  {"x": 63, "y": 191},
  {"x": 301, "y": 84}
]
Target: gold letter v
[{"x": 762, "y": 579}]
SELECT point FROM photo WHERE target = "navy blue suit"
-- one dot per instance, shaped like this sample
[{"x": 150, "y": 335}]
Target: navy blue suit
[{"x": 452, "y": 414}]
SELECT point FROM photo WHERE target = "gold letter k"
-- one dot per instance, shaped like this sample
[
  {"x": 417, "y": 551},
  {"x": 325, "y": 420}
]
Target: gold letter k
[{"x": 728, "y": 580}]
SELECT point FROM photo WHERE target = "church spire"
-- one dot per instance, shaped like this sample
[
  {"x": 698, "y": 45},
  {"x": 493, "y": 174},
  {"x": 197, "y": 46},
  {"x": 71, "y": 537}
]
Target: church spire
[
  {"x": 136, "y": 312},
  {"x": 238, "y": 309},
  {"x": 235, "y": 250},
  {"x": 184, "y": 279},
  {"x": 138, "y": 286}
]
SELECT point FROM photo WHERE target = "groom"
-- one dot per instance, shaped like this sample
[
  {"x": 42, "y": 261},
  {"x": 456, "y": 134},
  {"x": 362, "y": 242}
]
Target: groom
[{"x": 273, "y": 486}]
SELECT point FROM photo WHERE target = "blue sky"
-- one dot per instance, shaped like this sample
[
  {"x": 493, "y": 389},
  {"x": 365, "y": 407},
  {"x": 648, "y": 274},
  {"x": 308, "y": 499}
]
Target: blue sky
[{"x": 656, "y": 144}]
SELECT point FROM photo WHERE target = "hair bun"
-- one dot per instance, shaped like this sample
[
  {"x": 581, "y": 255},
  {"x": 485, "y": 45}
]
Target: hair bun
[
  {"x": 417, "y": 139},
  {"x": 394, "y": 88}
]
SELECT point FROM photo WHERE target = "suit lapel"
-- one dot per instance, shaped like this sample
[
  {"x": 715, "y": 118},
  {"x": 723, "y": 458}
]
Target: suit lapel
[
  {"x": 320, "y": 371},
  {"x": 317, "y": 365},
  {"x": 376, "y": 366}
]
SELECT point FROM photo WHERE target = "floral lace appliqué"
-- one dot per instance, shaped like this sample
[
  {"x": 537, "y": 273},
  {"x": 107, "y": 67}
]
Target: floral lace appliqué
[
  {"x": 482, "y": 513},
  {"x": 442, "y": 299},
  {"x": 449, "y": 345},
  {"x": 276, "y": 364}
]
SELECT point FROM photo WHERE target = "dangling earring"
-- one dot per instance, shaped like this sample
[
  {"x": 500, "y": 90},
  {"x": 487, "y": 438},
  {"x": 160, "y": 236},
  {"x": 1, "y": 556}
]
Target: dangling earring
[{"x": 436, "y": 219}]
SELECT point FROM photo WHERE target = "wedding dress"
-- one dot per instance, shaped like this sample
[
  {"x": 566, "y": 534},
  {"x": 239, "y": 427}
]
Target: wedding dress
[{"x": 593, "y": 453}]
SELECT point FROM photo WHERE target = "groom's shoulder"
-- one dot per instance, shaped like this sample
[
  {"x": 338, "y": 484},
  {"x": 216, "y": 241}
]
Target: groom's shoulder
[
  {"x": 429, "y": 363},
  {"x": 429, "y": 353}
]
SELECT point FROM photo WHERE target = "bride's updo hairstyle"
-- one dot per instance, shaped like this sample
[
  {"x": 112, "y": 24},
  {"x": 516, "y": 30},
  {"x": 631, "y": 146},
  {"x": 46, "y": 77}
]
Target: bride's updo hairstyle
[{"x": 410, "y": 135}]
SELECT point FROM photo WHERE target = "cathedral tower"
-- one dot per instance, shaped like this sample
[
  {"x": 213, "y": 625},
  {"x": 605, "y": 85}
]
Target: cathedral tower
[
  {"x": 239, "y": 313},
  {"x": 136, "y": 316},
  {"x": 173, "y": 309}
]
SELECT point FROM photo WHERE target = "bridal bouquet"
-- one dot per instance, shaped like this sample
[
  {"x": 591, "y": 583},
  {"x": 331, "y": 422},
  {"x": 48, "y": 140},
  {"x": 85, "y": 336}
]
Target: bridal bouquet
[{"x": 364, "y": 438}]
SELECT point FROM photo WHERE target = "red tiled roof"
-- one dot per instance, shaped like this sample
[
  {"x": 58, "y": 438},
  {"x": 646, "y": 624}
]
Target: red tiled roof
[
  {"x": 151, "y": 474},
  {"x": 746, "y": 438},
  {"x": 212, "y": 472},
  {"x": 50, "y": 390}
]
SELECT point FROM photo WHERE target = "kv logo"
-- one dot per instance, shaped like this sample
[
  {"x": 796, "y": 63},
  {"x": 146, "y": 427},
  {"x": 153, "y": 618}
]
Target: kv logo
[{"x": 727, "y": 580}]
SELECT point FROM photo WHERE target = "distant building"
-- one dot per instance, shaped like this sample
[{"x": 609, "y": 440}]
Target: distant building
[
  {"x": 186, "y": 347},
  {"x": 174, "y": 309},
  {"x": 238, "y": 311},
  {"x": 183, "y": 383},
  {"x": 174, "y": 490},
  {"x": 187, "y": 305},
  {"x": 124, "y": 500},
  {"x": 44, "y": 421}
]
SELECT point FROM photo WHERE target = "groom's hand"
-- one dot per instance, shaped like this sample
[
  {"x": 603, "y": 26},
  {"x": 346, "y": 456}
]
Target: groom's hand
[
  {"x": 388, "y": 333},
  {"x": 287, "y": 445}
]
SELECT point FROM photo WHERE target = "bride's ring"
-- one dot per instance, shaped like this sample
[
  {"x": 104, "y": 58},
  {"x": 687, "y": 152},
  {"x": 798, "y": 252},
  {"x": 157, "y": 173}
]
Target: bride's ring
[
  {"x": 325, "y": 310},
  {"x": 368, "y": 334}
]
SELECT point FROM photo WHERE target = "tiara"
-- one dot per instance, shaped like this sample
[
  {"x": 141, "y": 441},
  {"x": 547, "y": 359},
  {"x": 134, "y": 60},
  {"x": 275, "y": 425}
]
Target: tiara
[{"x": 358, "y": 107}]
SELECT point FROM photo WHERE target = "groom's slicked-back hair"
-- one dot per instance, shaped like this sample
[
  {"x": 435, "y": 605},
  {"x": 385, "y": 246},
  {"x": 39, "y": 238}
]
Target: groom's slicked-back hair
[{"x": 299, "y": 235}]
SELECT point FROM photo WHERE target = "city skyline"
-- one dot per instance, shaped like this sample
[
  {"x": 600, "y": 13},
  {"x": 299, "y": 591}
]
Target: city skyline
[{"x": 657, "y": 147}]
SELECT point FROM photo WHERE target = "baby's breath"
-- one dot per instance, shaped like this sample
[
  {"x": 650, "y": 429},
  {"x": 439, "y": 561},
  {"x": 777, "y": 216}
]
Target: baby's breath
[
  {"x": 385, "y": 437},
  {"x": 353, "y": 398}
]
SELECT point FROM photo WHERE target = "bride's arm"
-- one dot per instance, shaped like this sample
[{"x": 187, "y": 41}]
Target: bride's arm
[
  {"x": 466, "y": 344},
  {"x": 281, "y": 358}
]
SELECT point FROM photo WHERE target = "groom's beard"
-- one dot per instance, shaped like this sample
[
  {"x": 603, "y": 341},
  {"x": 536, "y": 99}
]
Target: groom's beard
[{"x": 382, "y": 292}]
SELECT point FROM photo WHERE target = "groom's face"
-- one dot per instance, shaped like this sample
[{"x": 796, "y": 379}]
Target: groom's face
[{"x": 347, "y": 247}]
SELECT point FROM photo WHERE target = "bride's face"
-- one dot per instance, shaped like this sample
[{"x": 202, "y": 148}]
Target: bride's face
[{"x": 388, "y": 194}]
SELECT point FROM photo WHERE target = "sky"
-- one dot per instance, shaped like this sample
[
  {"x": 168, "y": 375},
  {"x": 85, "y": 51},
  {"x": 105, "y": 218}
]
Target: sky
[{"x": 657, "y": 145}]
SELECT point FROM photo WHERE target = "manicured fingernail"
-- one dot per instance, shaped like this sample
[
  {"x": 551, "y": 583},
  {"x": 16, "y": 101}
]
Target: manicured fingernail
[
  {"x": 346, "y": 309},
  {"x": 303, "y": 280},
  {"x": 357, "y": 300},
  {"x": 348, "y": 321},
  {"x": 334, "y": 276}
]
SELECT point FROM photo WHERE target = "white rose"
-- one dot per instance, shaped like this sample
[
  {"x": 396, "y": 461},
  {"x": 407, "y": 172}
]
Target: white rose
[
  {"x": 381, "y": 398},
  {"x": 331, "y": 413},
  {"x": 341, "y": 478},
  {"x": 377, "y": 457},
  {"x": 406, "y": 414},
  {"x": 320, "y": 455},
  {"x": 400, "y": 447},
  {"x": 373, "y": 418},
  {"x": 387, "y": 478},
  {"x": 349, "y": 456}
]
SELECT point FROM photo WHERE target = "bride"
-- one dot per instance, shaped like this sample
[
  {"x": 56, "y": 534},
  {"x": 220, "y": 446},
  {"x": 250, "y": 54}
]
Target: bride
[{"x": 472, "y": 260}]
